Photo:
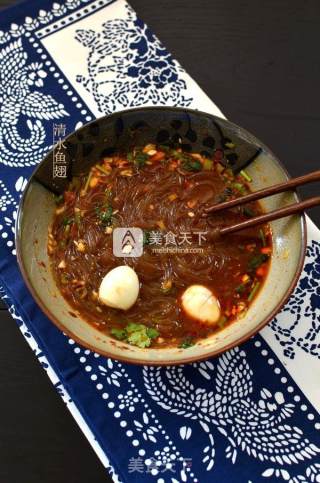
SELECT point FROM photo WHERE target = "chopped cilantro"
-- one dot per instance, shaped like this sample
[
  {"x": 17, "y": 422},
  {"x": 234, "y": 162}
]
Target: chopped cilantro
[
  {"x": 119, "y": 334},
  {"x": 136, "y": 334},
  {"x": 138, "y": 158},
  {"x": 152, "y": 333},
  {"x": 67, "y": 221},
  {"x": 186, "y": 343},
  {"x": 192, "y": 165},
  {"x": 104, "y": 213}
]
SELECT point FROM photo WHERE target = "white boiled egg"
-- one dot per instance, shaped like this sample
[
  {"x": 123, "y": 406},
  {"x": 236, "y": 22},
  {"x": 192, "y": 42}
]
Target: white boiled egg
[
  {"x": 119, "y": 288},
  {"x": 199, "y": 303}
]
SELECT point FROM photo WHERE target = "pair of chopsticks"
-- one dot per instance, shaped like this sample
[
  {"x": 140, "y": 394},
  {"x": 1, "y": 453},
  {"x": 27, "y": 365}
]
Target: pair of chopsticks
[{"x": 258, "y": 195}]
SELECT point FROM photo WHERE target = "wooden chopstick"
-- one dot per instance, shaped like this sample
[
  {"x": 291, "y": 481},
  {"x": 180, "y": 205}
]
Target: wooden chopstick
[
  {"x": 273, "y": 215},
  {"x": 272, "y": 190}
]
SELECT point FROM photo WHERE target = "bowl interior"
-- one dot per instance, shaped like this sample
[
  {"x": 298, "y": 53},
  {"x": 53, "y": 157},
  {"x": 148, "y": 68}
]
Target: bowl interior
[{"x": 197, "y": 132}]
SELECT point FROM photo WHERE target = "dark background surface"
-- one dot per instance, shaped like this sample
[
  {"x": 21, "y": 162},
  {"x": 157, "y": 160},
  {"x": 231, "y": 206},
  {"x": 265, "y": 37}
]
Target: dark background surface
[{"x": 260, "y": 63}]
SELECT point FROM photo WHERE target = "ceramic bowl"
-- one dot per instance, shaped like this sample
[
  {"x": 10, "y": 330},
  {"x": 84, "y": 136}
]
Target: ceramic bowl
[{"x": 195, "y": 131}]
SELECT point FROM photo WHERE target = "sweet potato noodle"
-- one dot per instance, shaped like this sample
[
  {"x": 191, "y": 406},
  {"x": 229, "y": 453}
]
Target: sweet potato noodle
[{"x": 162, "y": 191}]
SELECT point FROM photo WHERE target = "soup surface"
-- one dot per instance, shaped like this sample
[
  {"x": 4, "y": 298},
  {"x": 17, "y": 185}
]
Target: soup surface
[{"x": 163, "y": 192}]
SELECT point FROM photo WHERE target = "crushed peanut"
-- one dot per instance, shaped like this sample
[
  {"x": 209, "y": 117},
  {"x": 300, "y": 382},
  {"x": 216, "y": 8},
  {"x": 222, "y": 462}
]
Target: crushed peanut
[
  {"x": 80, "y": 245},
  {"x": 161, "y": 225},
  {"x": 60, "y": 210},
  {"x": 126, "y": 172}
]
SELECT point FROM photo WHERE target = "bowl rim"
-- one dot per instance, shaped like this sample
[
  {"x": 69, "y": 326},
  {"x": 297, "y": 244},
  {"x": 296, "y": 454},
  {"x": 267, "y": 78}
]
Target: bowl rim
[{"x": 154, "y": 362}]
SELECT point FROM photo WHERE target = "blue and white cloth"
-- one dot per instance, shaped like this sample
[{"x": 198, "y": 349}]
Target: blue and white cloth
[{"x": 251, "y": 415}]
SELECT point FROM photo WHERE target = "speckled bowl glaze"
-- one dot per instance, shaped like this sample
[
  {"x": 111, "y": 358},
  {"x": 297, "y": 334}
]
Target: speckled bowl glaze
[{"x": 198, "y": 132}]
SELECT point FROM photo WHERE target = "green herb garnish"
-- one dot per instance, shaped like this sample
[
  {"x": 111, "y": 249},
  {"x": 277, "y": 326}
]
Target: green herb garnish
[
  {"x": 254, "y": 291},
  {"x": 119, "y": 334},
  {"x": 67, "y": 221},
  {"x": 186, "y": 343},
  {"x": 257, "y": 260},
  {"x": 192, "y": 165},
  {"x": 240, "y": 289},
  {"x": 188, "y": 162},
  {"x": 248, "y": 212},
  {"x": 263, "y": 237},
  {"x": 245, "y": 175},
  {"x": 152, "y": 333},
  {"x": 104, "y": 213},
  {"x": 239, "y": 187},
  {"x": 136, "y": 334},
  {"x": 58, "y": 199},
  {"x": 138, "y": 158}
]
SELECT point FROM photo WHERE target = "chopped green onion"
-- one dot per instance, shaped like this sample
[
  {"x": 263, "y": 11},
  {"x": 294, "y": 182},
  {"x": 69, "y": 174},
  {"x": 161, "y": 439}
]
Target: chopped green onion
[
  {"x": 86, "y": 186},
  {"x": 229, "y": 145},
  {"x": 240, "y": 188},
  {"x": 241, "y": 288},
  {"x": 257, "y": 260},
  {"x": 254, "y": 291},
  {"x": 245, "y": 175},
  {"x": 102, "y": 169},
  {"x": 263, "y": 238}
]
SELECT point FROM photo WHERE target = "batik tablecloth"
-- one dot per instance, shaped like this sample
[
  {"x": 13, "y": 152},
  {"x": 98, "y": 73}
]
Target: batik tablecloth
[{"x": 249, "y": 415}]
